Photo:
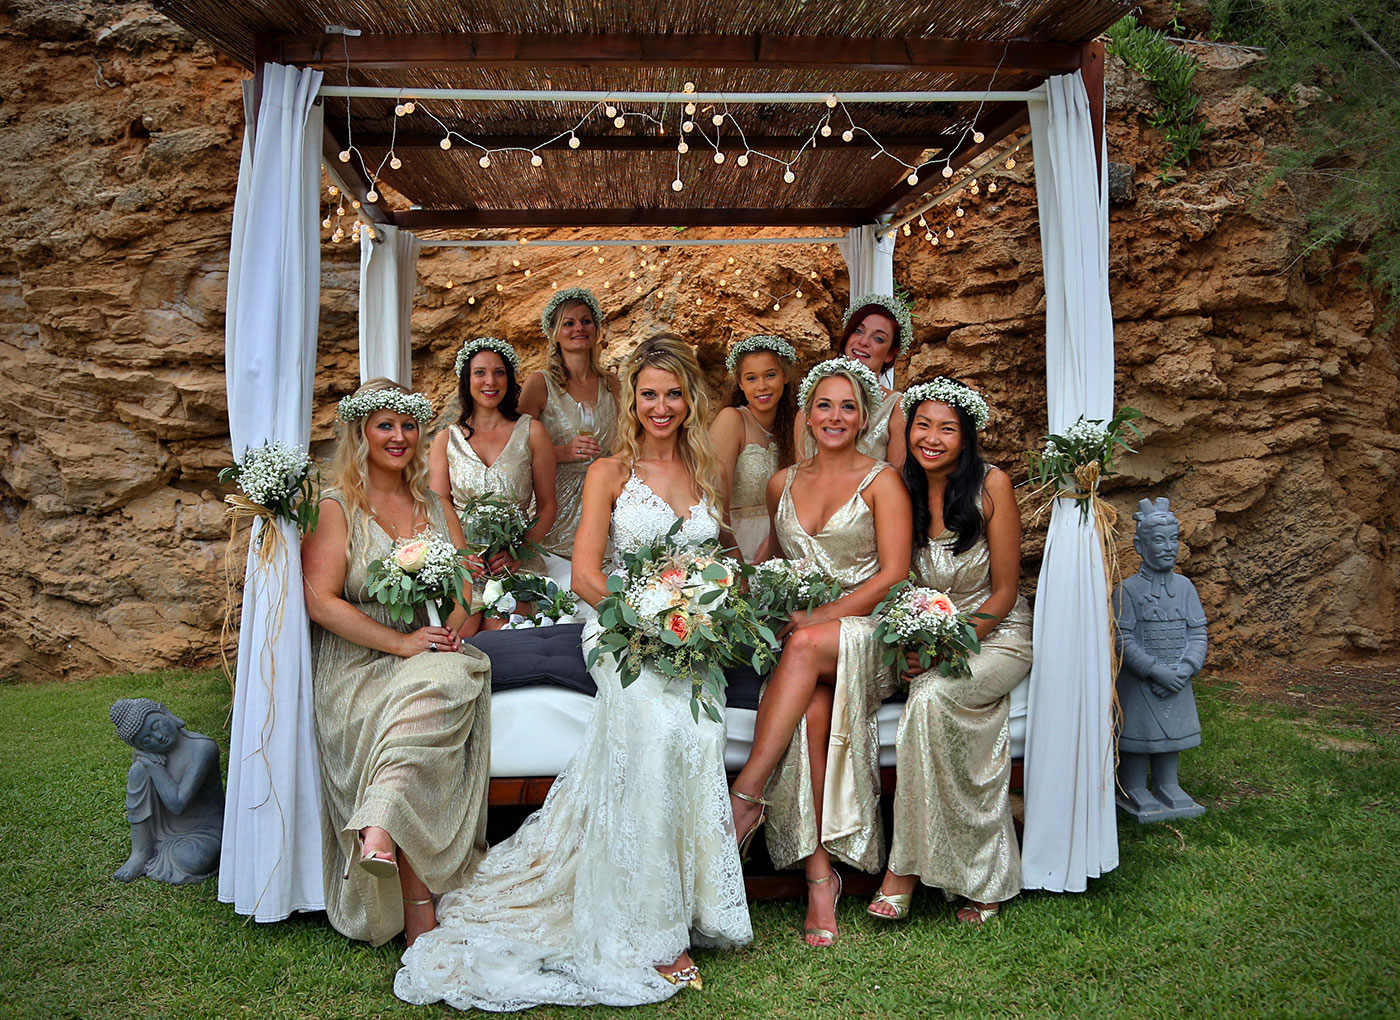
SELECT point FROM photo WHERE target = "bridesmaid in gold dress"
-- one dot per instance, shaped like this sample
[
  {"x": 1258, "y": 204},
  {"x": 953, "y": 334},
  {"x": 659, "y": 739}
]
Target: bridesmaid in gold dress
[
  {"x": 877, "y": 329},
  {"x": 493, "y": 449},
  {"x": 744, "y": 435},
  {"x": 952, "y": 812},
  {"x": 577, "y": 402},
  {"x": 850, "y": 516},
  {"x": 402, "y": 717}
]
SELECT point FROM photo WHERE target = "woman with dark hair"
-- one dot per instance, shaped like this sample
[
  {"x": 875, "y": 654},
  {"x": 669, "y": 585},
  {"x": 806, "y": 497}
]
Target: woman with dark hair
[
  {"x": 876, "y": 331},
  {"x": 402, "y": 711},
  {"x": 493, "y": 449},
  {"x": 747, "y": 440},
  {"x": 847, "y": 515},
  {"x": 952, "y": 813}
]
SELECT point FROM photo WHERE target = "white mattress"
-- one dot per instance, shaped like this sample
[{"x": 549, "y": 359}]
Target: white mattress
[{"x": 535, "y": 730}]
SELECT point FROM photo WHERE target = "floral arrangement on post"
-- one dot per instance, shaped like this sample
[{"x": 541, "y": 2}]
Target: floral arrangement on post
[
  {"x": 424, "y": 570},
  {"x": 493, "y": 525},
  {"x": 503, "y": 595},
  {"x": 279, "y": 482},
  {"x": 680, "y": 609},
  {"x": 779, "y": 588},
  {"x": 927, "y": 623},
  {"x": 1074, "y": 462}
]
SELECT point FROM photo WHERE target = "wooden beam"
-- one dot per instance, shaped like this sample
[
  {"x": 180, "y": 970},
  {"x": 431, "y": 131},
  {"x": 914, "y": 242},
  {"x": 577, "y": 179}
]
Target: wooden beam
[
  {"x": 349, "y": 173},
  {"x": 902, "y": 193},
  {"x": 1092, "y": 68},
  {"x": 635, "y": 50},
  {"x": 465, "y": 219},
  {"x": 658, "y": 143}
]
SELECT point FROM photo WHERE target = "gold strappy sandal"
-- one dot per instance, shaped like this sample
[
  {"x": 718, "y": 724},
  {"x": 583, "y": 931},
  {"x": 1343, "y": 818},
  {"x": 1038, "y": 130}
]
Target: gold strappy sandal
[
  {"x": 899, "y": 902},
  {"x": 688, "y": 976},
  {"x": 825, "y": 933},
  {"x": 747, "y": 838},
  {"x": 974, "y": 916}
]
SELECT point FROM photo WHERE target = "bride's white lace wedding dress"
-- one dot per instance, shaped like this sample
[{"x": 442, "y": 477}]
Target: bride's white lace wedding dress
[{"x": 630, "y": 861}]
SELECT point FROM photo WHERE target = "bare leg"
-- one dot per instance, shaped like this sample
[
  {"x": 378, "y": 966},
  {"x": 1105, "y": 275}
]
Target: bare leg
[
  {"x": 419, "y": 915},
  {"x": 821, "y": 896},
  {"x": 809, "y": 659}
]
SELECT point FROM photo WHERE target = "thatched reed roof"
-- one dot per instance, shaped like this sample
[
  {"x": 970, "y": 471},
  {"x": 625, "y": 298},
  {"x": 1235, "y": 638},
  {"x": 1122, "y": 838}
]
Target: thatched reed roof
[{"x": 622, "y": 176}]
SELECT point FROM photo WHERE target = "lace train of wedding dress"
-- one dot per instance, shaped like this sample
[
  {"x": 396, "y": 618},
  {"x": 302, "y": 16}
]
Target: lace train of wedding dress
[{"x": 630, "y": 861}]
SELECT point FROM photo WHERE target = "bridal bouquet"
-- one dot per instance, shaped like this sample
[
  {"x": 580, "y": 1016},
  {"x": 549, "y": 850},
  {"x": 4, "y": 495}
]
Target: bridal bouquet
[
  {"x": 280, "y": 480},
  {"x": 421, "y": 571},
  {"x": 679, "y": 609},
  {"x": 926, "y": 622},
  {"x": 780, "y": 588},
  {"x": 493, "y": 525},
  {"x": 502, "y": 596}
]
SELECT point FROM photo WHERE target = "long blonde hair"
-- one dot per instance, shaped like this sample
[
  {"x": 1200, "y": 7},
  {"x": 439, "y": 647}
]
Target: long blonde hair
[
  {"x": 350, "y": 464},
  {"x": 555, "y": 367},
  {"x": 671, "y": 354}
]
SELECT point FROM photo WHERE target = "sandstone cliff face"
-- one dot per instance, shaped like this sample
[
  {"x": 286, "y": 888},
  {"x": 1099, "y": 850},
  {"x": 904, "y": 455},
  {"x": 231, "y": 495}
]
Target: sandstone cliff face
[{"x": 1272, "y": 399}]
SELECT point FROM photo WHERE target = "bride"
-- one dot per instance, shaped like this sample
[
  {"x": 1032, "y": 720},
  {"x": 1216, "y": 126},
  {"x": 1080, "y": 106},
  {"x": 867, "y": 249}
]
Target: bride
[{"x": 599, "y": 896}]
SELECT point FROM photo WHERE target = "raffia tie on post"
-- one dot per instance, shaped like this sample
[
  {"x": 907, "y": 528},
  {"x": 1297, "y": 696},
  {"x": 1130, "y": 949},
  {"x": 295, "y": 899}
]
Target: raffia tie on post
[{"x": 270, "y": 544}]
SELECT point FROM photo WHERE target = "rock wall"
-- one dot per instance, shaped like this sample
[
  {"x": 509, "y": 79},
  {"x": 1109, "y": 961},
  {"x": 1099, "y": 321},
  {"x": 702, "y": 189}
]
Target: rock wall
[{"x": 1271, "y": 393}]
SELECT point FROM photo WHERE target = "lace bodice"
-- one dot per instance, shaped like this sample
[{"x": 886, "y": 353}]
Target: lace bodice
[
  {"x": 641, "y": 517},
  {"x": 755, "y": 464}
]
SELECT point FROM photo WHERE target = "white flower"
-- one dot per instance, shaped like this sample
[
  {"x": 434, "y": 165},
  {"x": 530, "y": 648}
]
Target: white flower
[{"x": 493, "y": 591}]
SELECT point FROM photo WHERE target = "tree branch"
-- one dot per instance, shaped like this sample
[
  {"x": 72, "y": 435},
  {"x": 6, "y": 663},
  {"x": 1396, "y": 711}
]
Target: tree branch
[{"x": 1374, "y": 45}]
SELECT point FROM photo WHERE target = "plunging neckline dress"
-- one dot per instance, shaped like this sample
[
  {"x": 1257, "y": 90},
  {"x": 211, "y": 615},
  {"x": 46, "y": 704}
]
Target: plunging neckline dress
[{"x": 631, "y": 860}]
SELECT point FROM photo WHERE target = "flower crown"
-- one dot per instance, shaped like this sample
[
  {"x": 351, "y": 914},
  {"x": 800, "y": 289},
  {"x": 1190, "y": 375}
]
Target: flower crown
[
  {"x": 486, "y": 343},
  {"x": 898, "y": 310},
  {"x": 841, "y": 366},
  {"x": 570, "y": 296},
  {"x": 362, "y": 405},
  {"x": 776, "y": 345},
  {"x": 954, "y": 394}
]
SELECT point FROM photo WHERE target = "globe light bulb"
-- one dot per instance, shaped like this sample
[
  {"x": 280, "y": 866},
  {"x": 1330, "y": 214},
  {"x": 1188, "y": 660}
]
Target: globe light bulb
[
  {"x": 345, "y": 155},
  {"x": 717, "y": 119},
  {"x": 826, "y": 131},
  {"x": 848, "y": 135},
  {"x": 619, "y": 121},
  {"x": 445, "y": 144},
  {"x": 789, "y": 177},
  {"x": 677, "y": 184},
  {"x": 912, "y": 179},
  {"x": 689, "y": 86},
  {"x": 947, "y": 171},
  {"x": 719, "y": 157},
  {"x": 743, "y": 159},
  {"x": 610, "y": 110},
  {"x": 978, "y": 137},
  {"x": 688, "y": 126},
  {"x": 409, "y": 107},
  {"x": 992, "y": 188},
  {"x": 831, "y": 102},
  {"x": 537, "y": 160},
  {"x": 573, "y": 141},
  {"x": 395, "y": 163},
  {"x": 371, "y": 195},
  {"x": 484, "y": 161},
  {"x": 690, "y": 109},
  {"x": 682, "y": 148},
  {"x": 1011, "y": 163}
]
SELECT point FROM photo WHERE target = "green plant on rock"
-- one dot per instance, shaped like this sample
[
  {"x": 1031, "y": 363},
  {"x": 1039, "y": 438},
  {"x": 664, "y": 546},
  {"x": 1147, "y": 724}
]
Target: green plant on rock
[
  {"x": 1338, "y": 62},
  {"x": 1171, "y": 73}
]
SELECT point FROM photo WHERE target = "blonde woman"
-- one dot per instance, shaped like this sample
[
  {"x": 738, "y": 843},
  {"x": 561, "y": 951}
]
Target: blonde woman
[
  {"x": 402, "y": 717},
  {"x": 596, "y": 897},
  {"x": 876, "y": 331},
  {"x": 576, "y": 401},
  {"x": 751, "y": 443},
  {"x": 849, "y": 515}
]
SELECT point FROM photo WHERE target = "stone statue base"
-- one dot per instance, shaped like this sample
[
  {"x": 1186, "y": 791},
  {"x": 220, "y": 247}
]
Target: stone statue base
[
  {"x": 1165, "y": 801},
  {"x": 1156, "y": 811}
]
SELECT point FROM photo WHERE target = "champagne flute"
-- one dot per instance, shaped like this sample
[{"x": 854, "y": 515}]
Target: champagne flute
[{"x": 588, "y": 420}]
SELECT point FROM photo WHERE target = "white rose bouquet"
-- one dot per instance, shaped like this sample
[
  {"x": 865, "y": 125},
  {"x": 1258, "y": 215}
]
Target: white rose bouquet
[
  {"x": 680, "y": 609},
  {"x": 280, "y": 479},
  {"x": 493, "y": 525},
  {"x": 421, "y": 571},
  {"x": 502, "y": 596},
  {"x": 780, "y": 588},
  {"x": 927, "y": 623}
]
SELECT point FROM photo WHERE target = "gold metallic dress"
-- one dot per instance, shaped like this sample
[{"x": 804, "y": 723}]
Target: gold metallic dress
[
  {"x": 952, "y": 811},
  {"x": 748, "y": 496},
  {"x": 561, "y": 418},
  {"x": 875, "y": 442},
  {"x": 405, "y": 745},
  {"x": 510, "y": 476},
  {"x": 851, "y": 829}
]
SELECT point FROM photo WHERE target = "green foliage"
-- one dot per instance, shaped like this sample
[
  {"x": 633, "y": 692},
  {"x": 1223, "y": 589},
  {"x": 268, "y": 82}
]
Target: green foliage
[
  {"x": 1346, "y": 88},
  {"x": 1172, "y": 74}
]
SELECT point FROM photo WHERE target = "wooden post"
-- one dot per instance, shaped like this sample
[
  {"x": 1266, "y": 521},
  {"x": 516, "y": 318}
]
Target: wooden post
[
  {"x": 1091, "y": 64},
  {"x": 264, "y": 50}
]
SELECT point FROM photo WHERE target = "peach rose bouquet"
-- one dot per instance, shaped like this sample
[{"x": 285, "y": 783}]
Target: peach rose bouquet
[
  {"x": 425, "y": 570},
  {"x": 682, "y": 609},
  {"x": 926, "y": 623}
]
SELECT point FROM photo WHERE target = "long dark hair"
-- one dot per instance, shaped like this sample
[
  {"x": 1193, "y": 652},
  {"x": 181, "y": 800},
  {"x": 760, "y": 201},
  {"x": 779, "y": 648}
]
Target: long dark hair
[
  {"x": 464, "y": 392},
  {"x": 960, "y": 512},
  {"x": 859, "y": 316},
  {"x": 787, "y": 409}
]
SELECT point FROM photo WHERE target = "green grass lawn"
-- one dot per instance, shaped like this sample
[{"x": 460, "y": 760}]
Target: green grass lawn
[{"x": 1283, "y": 901}]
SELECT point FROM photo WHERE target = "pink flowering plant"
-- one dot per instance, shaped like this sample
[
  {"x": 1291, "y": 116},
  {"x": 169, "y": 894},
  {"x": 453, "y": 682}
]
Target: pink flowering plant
[
  {"x": 425, "y": 570},
  {"x": 926, "y": 623},
  {"x": 682, "y": 609}
]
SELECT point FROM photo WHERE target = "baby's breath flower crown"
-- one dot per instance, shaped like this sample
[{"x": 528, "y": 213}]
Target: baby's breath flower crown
[
  {"x": 570, "y": 296},
  {"x": 362, "y": 405},
  {"x": 841, "y": 366},
  {"x": 774, "y": 344},
  {"x": 486, "y": 343},
  {"x": 898, "y": 310},
  {"x": 954, "y": 394}
]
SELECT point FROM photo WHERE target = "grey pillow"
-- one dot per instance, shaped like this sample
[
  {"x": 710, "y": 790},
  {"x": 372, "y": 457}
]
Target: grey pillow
[{"x": 538, "y": 656}]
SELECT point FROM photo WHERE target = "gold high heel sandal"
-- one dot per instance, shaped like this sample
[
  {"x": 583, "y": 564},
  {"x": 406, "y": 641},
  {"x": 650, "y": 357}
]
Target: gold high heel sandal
[
  {"x": 747, "y": 838},
  {"x": 825, "y": 933},
  {"x": 380, "y": 864},
  {"x": 898, "y": 902},
  {"x": 688, "y": 976},
  {"x": 974, "y": 915}
]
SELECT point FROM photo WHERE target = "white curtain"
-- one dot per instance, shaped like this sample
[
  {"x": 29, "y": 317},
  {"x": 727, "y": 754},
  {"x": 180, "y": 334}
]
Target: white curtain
[
  {"x": 1071, "y": 832},
  {"x": 388, "y": 273},
  {"x": 271, "y": 861}
]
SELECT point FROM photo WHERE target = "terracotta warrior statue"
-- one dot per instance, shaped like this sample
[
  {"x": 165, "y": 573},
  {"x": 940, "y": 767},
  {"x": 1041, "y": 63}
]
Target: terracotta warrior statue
[
  {"x": 174, "y": 796},
  {"x": 1162, "y": 642}
]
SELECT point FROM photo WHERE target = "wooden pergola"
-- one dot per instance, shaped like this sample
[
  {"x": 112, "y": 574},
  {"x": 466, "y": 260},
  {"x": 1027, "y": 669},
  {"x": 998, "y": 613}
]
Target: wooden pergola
[{"x": 619, "y": 177}]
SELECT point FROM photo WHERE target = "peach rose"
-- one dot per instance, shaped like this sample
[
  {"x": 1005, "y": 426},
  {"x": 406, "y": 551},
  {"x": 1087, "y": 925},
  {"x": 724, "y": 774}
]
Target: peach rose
[
  {"x": 942, "y": 604},
  {"x": 411, "y": 556},
  {"x": 679, "y": 625}
]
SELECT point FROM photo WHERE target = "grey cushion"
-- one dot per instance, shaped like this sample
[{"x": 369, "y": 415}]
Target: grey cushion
[{"x": 540, "y": 655}]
